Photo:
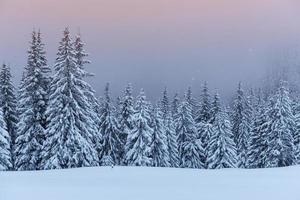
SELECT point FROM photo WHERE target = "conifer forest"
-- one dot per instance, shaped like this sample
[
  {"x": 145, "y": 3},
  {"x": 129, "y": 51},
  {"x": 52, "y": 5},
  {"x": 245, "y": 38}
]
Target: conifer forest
[{"x": 53, "y": 119}]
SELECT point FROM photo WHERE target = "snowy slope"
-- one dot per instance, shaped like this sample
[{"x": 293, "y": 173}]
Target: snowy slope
[{"x": 137, "y": 183}]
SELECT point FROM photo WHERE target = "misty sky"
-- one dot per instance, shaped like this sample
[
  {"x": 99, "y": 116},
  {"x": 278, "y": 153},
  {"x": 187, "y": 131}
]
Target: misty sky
[{"x": 158, "y": 43}]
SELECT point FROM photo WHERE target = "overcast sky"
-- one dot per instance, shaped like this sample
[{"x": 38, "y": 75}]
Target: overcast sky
[{"x": 157, "y": 43}]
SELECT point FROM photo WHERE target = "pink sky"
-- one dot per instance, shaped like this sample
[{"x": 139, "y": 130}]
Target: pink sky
[{"x": 207, "y": 36}]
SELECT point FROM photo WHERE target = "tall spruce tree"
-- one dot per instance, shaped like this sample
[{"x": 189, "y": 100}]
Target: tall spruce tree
[
  {"x": 81, "y": 61},
  {"x": 159, "y": 146},
  {"x": 241, "y": 125},
  {"x": 296, "y": 135},
  {"x": 71, "y": 133},
  {"x": 169, "y": 126},
  {"x": 258, "y": 140},
  {"x": 126, "y": 115},
  {"x": 189, "y": 147},
  {"x": 175, "y": 105},
  {"x": 280, "y": 151},
  {"x": 112, "y": 145},
  {"x": 215, "y": 107},
  {"x": 5, "y": 153},
  {"x": 203, "y": 114},
  {"x": 34, "y": 100},
  {"x": 8, "y": 103},
  {"x": 172, "y": 141},
  {"x": 138, "y": 145},
  {"x": 222, "y": 150},
  {"x": 204, "y": 127}
]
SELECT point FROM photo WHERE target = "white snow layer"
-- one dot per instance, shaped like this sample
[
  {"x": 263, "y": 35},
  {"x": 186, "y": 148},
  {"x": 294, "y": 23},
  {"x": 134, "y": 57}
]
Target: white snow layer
[{"x": 142, "y": 183}]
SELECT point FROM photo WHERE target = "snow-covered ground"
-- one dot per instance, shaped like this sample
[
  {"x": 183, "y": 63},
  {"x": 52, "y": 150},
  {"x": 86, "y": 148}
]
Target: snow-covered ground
[{"x": 139, "y": 183}]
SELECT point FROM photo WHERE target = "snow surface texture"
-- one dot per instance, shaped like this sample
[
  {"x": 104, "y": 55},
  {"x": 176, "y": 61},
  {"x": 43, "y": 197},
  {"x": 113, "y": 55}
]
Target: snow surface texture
[{"x": 142, "y": 183}]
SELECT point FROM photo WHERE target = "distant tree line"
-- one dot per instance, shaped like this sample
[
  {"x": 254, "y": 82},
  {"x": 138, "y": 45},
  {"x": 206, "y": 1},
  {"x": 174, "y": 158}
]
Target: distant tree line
[{"x": 54, "y": 121}]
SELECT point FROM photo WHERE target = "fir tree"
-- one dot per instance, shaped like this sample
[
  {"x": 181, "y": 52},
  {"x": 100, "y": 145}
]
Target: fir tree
[
  {"x": 34, "y": 100},
  {"x": 5, "y": 153},
  {"x": 215, "y": 108},
  {"x": 81, "y": 61},
  {"x": 126, "y": 115},
  {"x": 175, "y": 105},
  {"x": 172, "y": 141},
  {"x": 280, "y": 150},
  {"x": 138, "y": 145},
  {"x": 203, "y": 114},
  {"x": 71, "y": 133},
  {"x": 203, "y": 123},
  {"x": 112, "y": 146},
  {"x": 258, "y": 140},
  {"x": 170, "y": 127},
  {"x": 241, "y": 126},
  {"x": 205, "y": 131},
  {"x": 222, "y": 150},
  {"x": 8, "y": 103},
  {"x": 159, "y": 147},
  {"x": 188, "y": 145}
]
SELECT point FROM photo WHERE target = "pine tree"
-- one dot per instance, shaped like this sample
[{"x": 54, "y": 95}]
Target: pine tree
[
  {"x": 203, "y": 114},
  {"x": 215, "y": 108},
  {"x": 169, "y": 126},
  {"x": 280, "y": 150},
  {"x": 205, "y": 131},
  {"x": 258, "y": 140},
  {"x": 34, "y": 100},
  {"x": 175, "y": 105},
  {"x": 71, "y": 133},
  {"x": 159, "y": 147},
  {"x": 172, "y": 141},
  {"x": 5, "y": 153},
  {"x": 138, "y": 143},
  {"x": 241, "y": 126},
  {"x": 8, "y": 103},
  {"x": 296, "y": 135},
  {"x": 222, "y": 150},
  {"x": 190, "y": 99},
  {"x": 126, "y": 115},
  {"x": 188, "y": 145},
  {"x": 81, "y": 61},
  {"x": 112, "y": 146},
  {"x": 204, "y": 127}
]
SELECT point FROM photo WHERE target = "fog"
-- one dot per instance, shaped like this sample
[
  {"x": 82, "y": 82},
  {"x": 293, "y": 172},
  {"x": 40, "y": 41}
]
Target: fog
[{"x": 159, "y": 43}]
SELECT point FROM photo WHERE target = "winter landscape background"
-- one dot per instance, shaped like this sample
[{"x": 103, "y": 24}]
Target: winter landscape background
[{"x": 173, "y": 96}]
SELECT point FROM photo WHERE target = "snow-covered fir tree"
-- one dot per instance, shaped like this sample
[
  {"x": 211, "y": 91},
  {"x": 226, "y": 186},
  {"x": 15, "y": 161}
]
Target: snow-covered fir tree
[
  {"x": 203, "y": 114},
  {"x": 126, "y": 114},
  {"x": 5, "y": 152},
  {"x": 169, "y": 126},
  {"x": 222, "y": 150},
  {"x": 138, "y": 144},
  {"x": 205, "y": 130},
  {"x": 8, "y": 103},
  {"x": 81, "y": 61},
  {"x": 190, "y": 151},
  {"x": 215, "y": 107},
  {"x": 281, "y": 150},
  {"x": 112, "y": 145},
  {"x": 296, "y": 133},
  {"x": 191, "y": 100},
  {"x": 172, "y": 140},
  {"x": 241, "y": 126},
  {"x": 159, "y": 146},
  {"x": 258, "y": 140},
  {"x": 175, "y": 105},
  {"x": 203, "y": 119},
  {"x": 33, "y": 105},
  {"x": 71, "y": 133}
]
